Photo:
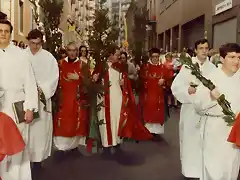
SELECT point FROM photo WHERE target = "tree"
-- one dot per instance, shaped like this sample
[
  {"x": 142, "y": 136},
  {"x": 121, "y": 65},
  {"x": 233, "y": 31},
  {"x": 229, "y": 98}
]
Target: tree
[
  {"x": 52, "y": 11},
  {"x": 139, "y": 31},
  {"x": 103, "y": 33}
]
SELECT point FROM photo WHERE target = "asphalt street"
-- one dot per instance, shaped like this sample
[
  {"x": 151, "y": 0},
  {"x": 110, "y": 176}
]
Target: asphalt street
[{"x": 148, "y": 161}]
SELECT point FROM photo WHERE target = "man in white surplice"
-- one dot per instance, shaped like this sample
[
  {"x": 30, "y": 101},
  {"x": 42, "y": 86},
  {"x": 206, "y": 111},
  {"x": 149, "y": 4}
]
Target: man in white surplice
[
  {"x": 220, "y": 158},
  {"x": 17, "y": 81},
  {"x": 46, "y": 73},
  {"x": 184, "y": 88}
]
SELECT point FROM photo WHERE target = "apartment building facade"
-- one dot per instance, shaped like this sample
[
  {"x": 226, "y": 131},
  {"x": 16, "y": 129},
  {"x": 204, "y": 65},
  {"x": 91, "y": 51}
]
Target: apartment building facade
[
  {"x": 78, "y": 16},
  {"x": 175, "y": 24},
  {"x": 119, "y": 9},
  {"x": 20, "y": 13},
  {"x": 226, "y": 19},
  {"x": 3, "y": 14}
]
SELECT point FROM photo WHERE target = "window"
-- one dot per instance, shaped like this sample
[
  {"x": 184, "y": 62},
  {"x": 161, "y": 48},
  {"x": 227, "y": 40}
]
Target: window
[
  {"x": 21, "y": 16},
  {"x": 31, "y": 19}
]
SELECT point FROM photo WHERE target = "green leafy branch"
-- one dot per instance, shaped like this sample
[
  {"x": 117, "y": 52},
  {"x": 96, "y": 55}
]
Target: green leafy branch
[{"x": 229, "y": 115}]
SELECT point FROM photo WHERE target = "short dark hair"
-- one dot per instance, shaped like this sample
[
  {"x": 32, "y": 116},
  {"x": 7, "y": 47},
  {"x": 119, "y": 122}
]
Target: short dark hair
[
  {"x": 154, "y": 50},
  {"x": 201, "y": 41},
  {"x": 4, "y": 21},
  {"x": 34, "y": 34},
  {"x": 227, "y": 48}
]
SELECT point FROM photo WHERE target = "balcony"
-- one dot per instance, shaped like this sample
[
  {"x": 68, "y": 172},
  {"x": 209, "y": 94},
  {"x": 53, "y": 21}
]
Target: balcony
[
  {"x": 152, "y": 24},
  {"x": 152, "y": 19}
]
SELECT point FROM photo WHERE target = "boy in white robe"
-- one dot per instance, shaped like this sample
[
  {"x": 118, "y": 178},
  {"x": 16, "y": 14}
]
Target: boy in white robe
[
  {"x": 220, "y": 158},
  {"x": 184, "y": 88},
  {"x": 46, "y": 73}
]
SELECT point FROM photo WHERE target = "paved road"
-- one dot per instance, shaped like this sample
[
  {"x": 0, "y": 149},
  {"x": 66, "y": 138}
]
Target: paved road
[{"x": 154, "y": 161}]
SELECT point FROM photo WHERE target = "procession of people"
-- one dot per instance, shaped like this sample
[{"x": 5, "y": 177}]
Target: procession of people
[{"x": 52, "y": 106}]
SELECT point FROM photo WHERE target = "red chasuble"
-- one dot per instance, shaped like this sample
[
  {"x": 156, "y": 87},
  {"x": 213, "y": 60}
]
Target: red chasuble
[
  {"x": 234, "y": 136},
  {"x": 11, "y": 141},
  {"x": 72, "y": 117},
  {"x": 129, "y": 125},
  {"x": 152, "y": 97}
]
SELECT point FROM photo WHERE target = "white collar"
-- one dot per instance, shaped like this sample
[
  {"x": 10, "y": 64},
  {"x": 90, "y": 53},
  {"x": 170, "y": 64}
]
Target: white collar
[
  {"x": 196, "y": 60},
  {"x": 66, "y": 59},
  {"x": 29, "y": 50}
]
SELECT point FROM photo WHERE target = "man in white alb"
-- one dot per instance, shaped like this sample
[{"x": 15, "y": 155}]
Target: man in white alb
[
  {"x": 184, "y": 88},
  {"x": 17, "y": 81},
  {"x": 220, "y": 158}
]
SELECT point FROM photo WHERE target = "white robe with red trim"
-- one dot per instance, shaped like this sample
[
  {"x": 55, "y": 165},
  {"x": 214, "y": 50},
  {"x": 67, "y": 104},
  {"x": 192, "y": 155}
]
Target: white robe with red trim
[{"x": 115, "y": 109}]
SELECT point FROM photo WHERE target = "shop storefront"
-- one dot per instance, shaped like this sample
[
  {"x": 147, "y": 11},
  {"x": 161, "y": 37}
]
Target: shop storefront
[{"x": 225, "y": 23}]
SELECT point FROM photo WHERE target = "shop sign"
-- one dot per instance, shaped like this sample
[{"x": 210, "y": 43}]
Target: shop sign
[{"x": 223, "y": 6}]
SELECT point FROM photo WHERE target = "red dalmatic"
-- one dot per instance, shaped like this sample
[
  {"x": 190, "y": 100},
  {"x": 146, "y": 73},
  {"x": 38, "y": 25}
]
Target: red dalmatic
[
  {"x": 72, "y": 116},
  {"x": 234, "y": 136},
  {"x": 11, "y": 141},
  {"x": 152, "y": 97}
]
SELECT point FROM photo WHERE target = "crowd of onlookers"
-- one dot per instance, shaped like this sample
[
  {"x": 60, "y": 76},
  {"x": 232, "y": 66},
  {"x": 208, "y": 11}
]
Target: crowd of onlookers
[{"x": 20, "y": 44}]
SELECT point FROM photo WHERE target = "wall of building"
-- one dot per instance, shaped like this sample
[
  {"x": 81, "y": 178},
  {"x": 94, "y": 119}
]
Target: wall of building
[
  {"x": 176, "y": 16},
  {"x": 12, "y": 9},
  {"x": 27, "y": 20},
  {"x": 5, "y": 7},
  {"x": 226, "y": 21}
]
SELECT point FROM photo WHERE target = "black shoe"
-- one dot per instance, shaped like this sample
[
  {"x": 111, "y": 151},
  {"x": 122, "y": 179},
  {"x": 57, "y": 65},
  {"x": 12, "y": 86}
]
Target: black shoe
[
  {"x": 59, "y": 156},
  {"x": 157, "y": 138},
  {"x": 75, "y": 153},
  {"x": 36, "y": 170},
  {"x": 107, "y": 153},
  {"x": 118, "y": 151}
]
